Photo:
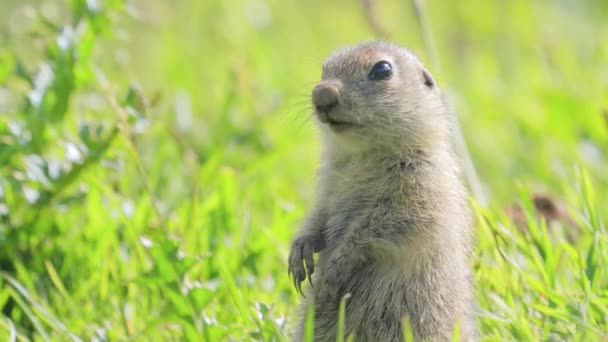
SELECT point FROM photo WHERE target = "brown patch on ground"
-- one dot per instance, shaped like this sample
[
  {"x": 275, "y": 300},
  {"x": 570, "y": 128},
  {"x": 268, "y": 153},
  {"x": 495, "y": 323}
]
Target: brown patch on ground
[{"x": 546, "y": 207}]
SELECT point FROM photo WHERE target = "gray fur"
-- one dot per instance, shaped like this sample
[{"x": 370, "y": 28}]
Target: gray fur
[{"x": 391, "y": 222}]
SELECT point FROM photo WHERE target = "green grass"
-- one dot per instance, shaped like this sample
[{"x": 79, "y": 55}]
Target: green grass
[{"x": 174, "y": 220}]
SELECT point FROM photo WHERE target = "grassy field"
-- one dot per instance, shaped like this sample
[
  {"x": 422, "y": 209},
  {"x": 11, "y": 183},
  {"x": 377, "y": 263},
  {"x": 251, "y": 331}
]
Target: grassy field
[{"x": 156, "y": 158}]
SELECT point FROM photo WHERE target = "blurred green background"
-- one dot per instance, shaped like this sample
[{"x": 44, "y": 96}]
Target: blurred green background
[{"x": 153, "y": 191}]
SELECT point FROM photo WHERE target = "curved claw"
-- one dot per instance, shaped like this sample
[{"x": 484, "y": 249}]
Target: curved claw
[
  {"x": 309, "y": 262},
  {"x": 298, "y": 284},
  {"x": 301, "y": 263}
]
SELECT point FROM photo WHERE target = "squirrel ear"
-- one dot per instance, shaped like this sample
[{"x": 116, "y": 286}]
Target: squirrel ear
[{"x": 428, "y": 79}]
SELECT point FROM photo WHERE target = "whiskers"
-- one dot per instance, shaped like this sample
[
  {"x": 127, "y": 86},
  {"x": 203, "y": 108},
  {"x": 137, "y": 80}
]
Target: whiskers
[{"x": 299, "y": 112}]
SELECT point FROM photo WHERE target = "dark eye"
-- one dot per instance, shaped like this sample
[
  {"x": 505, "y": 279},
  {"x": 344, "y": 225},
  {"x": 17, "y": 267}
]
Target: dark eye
[{"x": 381, "y": 71}]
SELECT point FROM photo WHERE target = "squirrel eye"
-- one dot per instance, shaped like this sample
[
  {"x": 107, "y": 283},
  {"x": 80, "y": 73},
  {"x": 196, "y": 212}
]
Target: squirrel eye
[{"x": 381, "y": 71}]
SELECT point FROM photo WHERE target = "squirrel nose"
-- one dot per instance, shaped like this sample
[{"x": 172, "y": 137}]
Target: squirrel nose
[{"x": 325, "y": 97}]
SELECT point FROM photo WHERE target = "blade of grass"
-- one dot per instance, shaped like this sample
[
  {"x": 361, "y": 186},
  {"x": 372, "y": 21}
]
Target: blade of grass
[
  {"x": 342, "y": 319},
  {"x": 43, "y": 312},
  {"x": 456, "y": 331},
  {"x": 309, "y": 329},
  {"x": 408, "y": 333},
  {"x": 57, "y": 281},
  {"x": 237, "y": 298},
  {"x": 13, "y": 333},
  {"x": 30, "y": 314},
  {"x": 461, "y": 146}
]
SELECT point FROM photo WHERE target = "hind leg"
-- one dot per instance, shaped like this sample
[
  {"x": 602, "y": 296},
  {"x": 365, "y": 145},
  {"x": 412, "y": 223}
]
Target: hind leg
[{"x": 325, "y": 320}]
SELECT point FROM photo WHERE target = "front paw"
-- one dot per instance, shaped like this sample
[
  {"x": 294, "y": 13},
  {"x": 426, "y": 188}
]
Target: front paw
[{"x": 301, "y": 263}]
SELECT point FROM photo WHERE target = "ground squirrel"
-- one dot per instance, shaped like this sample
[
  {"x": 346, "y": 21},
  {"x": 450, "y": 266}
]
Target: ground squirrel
[{"x": 391, "y": 221}]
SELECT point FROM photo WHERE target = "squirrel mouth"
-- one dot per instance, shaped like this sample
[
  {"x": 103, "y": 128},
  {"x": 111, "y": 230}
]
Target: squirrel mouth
[
  {"x": 333, "y": 122},
  {"x": 340, "y": 126},
  {"x": 336, "y": 125}
]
